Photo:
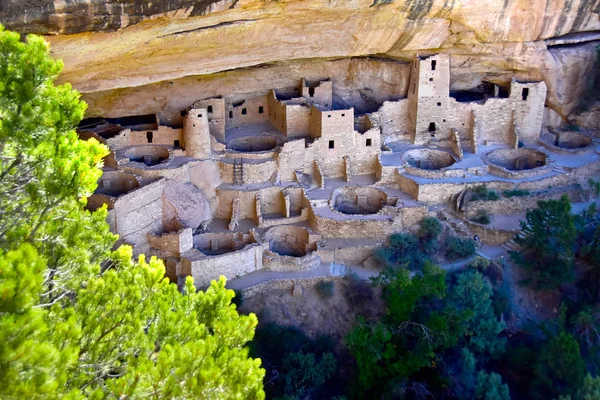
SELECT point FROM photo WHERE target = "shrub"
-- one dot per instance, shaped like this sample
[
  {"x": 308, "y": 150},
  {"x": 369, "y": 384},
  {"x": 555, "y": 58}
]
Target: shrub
[
  {"x": 402, "y": 251},
  {"x": 357, "y": 291},
  {"x": 430, "y": 228},
  {"x": 481, "y": 192},
  {"x": 325, "y": 289},
  {"x": 480, "y": 263},
  {"x": 482, "y": 217},
  {"x": 459, "y": 248},
  {"x": 515, "y": 193}
]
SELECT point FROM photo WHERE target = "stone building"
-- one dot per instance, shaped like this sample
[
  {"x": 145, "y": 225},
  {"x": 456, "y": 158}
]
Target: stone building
[{"x": 284, "y": 180}]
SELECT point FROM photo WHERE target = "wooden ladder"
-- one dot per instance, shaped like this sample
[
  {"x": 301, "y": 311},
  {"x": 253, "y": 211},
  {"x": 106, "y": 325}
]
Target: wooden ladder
[{"x": 238, "y": 172}]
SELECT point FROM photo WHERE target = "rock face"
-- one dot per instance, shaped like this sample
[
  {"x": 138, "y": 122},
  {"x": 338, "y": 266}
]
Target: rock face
[{"x": 131, "y": 55}]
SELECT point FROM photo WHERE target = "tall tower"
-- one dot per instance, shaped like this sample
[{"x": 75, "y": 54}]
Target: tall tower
[
  {"x": 428, "y": 95},
  {"x": 196, "y": 133}
]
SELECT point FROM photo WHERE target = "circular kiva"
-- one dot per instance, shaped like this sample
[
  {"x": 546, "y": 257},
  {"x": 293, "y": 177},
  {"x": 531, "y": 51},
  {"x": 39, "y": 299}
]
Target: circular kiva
[
  {"x": 149, "y": 155},
  {"x": 516, "y": 159},
  {"x": 428, "y": 159},
  {"x": 115, "y": 183},
  {"x": 358, "y": 200},
  {"x": 289, "y": 241},
  {"x": 250, "y": 144}
]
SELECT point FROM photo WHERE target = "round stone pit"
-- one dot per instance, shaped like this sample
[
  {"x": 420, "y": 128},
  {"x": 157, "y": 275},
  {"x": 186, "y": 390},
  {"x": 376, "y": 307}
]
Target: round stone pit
[
  {"x": 428, "y": 159},
  {"x": 358, "y": 200},
  {"x": 291, "y": 241},
  {"x": 148, "y": 155},
  {"x": 253, "y": 144}
]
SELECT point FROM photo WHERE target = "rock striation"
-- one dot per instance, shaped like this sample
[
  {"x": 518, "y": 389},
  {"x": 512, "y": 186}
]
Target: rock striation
[{"x": 115, "y": 49}]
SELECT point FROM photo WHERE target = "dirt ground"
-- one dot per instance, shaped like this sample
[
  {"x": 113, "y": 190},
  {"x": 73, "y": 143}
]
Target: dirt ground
[{"x": 311, "y": 313}]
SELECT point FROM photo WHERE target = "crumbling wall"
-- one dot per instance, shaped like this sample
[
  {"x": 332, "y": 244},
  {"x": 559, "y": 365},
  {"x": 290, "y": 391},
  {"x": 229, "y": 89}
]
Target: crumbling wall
[
  {"x": 321, "y": 93},
  {"x": 206, "y": 268},
  {"x": 247, "y": 203},
  {"x": 163, "y": 135},
  {"x": 494, "y": 118},
  {"x": 393, "y": 119},
  {"x": 297, "y": 120},
  {"x": 249, "y": 111},
  {"x": 139, "y": 213},
  {"x": 292, "y": 158},
  {"x": 172, "y": 244}
]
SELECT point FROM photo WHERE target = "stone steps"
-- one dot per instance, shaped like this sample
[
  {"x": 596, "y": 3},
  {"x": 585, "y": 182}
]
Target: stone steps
[
  {"x": 511, "y": 245},
  {"x": 560, "y": 169},
  {"x": 337, "y": 269}
]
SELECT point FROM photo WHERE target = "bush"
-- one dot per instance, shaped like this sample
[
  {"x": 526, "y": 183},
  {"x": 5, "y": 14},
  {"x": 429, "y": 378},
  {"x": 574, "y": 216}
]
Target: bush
[
  {"x": 481, "y": 192},
  {"x": 357, "y": 291},
  {"x": 515, "y": 193},
  {"x": 325, "y": 289},
  {"x": 480, "y": 263},
  {"x": 430, "y": 228},
  {"x": 482, "y": 217},
  {"x": 459, "y": 248}
]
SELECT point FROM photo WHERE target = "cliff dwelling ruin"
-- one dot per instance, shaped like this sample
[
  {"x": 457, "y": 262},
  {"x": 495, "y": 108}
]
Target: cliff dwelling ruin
[{"x": 284, "y": 183}]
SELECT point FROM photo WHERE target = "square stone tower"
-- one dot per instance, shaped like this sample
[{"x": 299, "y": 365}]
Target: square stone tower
[{"x": 428, "y": 95}]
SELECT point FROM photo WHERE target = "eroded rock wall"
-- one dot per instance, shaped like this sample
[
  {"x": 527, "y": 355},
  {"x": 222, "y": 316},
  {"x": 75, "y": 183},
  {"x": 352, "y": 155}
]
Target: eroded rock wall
[{"x": 128, "y": 55}]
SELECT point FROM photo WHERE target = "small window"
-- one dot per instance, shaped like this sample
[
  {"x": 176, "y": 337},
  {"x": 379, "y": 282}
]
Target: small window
[
  {"x": 230, "y": 114},
  {"x": 311, "y": 92},
  {"x": 176, "y": 144},
  {"x": 149, "y": 136},
  {"x": 261, "y": 109},
  {"x": 525, "y": 93},
  {"x": 430, "y": 79},
  {"x": 331, "y": 144},
  {"x": 244, "y": 111},
  {"x": 328, "y": 115},
  {"x": 199, "y": 115},
  {"x": 182, "y": 113},
  {"x": 439, "y": 104},
  {"x": 432, "y": 127},
  {"x": 343, "y": 115},
  {"x": 209, "y": 109},
  {"x": 369, "y": 143},
  {"x": 433, "y": 63}
]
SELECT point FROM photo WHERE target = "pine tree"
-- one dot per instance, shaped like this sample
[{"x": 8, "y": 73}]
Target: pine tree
[{"x": 69, "y": 329}]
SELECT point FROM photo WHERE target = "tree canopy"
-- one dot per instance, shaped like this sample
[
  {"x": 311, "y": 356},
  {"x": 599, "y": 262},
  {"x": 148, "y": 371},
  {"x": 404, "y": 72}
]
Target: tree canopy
[{"x": 70, "y": 328}]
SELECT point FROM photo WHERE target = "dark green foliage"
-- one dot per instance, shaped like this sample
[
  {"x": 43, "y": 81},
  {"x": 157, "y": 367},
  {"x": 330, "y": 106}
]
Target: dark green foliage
[
  {"x": 430, "y": 229},
  {"x": 304, "y": 374},
  {"x": 559, "y": 368},
  {"x": 405, "y": 250},
  {"x": 548, "y": 238},
  {"x": 515, "y": 193},
  {"x": 482, "y": 217},
  {"x": 471, "y": 296},
  {"x": 389, "y": 351},
  {"x": 457, "y": 248},
  {"x": 595, "y": 186},
  {"x": 325, "y": 289},
  {"x": 481, "y": 192},
  {"x": 299, "y": 366}
]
